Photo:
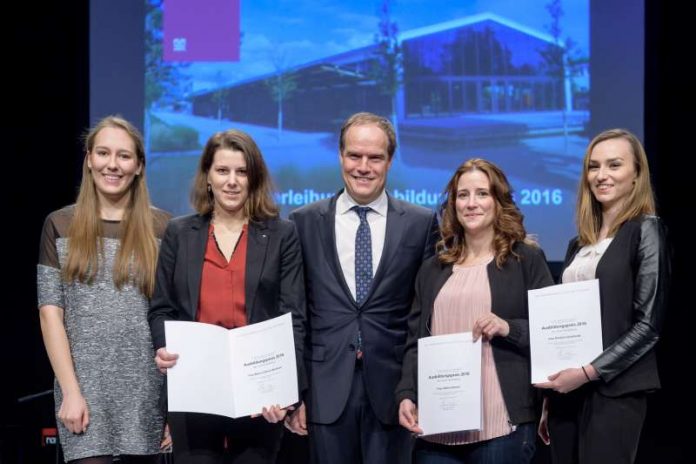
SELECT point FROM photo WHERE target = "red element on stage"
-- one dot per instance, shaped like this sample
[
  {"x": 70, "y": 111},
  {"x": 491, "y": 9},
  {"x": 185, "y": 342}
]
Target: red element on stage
[{"x": 49, "y": 436}]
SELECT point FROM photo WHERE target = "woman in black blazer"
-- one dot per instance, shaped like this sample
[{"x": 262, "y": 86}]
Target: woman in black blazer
[
  {"x": 233, "y": 263},
  {"x": 484, "y": 245},
  {"x": 594, "y": 413}
]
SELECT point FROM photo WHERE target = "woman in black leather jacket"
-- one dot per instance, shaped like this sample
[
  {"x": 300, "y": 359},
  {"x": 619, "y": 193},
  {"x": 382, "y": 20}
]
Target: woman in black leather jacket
[{"x": 594, "y": 413}]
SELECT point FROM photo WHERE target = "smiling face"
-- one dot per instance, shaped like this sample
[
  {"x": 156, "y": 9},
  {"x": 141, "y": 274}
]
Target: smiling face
[
  {"x": 228, "y": 180},
  {"x": 475, "y": 204},
  {"x": 113, "y": 163},
  {"x": 611, "y": 172},
  {"x": 365, "y": 162}
]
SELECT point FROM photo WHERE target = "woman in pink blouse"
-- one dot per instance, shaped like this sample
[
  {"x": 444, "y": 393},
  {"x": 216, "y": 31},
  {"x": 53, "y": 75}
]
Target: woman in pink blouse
[{"x": 478, "y": 282}]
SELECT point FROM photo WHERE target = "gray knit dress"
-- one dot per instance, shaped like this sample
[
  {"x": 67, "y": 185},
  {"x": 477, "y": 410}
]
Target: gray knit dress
[{"x": 110, "y": 344}]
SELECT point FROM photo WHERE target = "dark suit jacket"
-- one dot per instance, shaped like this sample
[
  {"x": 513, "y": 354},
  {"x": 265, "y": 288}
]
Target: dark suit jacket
[
  {"x": 509, "y": 286},
  {"x": 274, "y": 277},
  {"x": 633, "y": 278},
  {"x": 334, "y": 317}
]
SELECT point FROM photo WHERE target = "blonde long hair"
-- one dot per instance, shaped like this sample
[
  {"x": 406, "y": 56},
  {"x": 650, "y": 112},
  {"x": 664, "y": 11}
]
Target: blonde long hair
[
  {"x": 136, "y": 258},
  {"x": 640, "y": 201}
]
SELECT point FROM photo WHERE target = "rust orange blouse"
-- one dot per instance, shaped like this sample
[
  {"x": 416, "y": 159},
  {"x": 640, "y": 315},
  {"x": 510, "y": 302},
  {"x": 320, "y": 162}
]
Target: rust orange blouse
[{"x": 222, "y": 299}]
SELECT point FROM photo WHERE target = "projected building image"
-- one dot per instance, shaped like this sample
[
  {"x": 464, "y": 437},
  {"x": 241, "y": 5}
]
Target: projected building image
[
  {"x": 480, "y": 85},
  {"x": 452, "y": 73}
]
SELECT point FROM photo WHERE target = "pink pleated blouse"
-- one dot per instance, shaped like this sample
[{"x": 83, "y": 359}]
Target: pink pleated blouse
[{"x": 464, "y": 298}]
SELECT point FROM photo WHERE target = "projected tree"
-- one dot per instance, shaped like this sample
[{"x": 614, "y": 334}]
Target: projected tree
[
  {"x": 387, "y": 70},
  {"x": 562, "y": 61},
  {"x": 282, "y": 85}
]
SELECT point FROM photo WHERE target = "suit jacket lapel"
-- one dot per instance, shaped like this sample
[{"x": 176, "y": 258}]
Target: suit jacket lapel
[
  {"x": 257, "y": 244},
  {"x": 197, "y": 241},
  {"x": 396, "y": 223},
  {"x": 327, "y": 229}
]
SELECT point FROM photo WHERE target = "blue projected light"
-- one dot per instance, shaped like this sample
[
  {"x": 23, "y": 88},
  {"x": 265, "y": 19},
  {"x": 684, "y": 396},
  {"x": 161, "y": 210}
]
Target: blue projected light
[{"x": 485, "y": 79}]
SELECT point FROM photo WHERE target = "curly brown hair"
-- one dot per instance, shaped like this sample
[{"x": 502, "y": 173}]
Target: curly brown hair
[{"x": 508, "y": 227}]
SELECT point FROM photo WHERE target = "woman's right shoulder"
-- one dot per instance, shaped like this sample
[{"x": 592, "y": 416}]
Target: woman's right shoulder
[
  {"x": 430, "y": 270},
  {"x": 59, "y": 220},
  {"x": 433, "y": 264},
  {"x": 160, "y": 219},
  {"x": 176, "y": 224},
  {"x": 64, "y": 212},
  {"x": 573, "y": 244},
  {"x": 528, "y": 249}
]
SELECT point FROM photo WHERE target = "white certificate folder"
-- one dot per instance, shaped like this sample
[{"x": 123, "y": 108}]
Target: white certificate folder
[
  {"x": 565, "y": 327},
  {"x": 231, "y": 373},
  {"x": 449, "y": 383}
]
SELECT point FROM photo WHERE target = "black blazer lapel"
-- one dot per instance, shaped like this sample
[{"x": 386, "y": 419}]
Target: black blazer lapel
[
  {"x": 396, "y": 223},
  {"x": 197, "y": 240},
  {"x": 327, "y": 228},
  {"x": 257, "y": 244}
]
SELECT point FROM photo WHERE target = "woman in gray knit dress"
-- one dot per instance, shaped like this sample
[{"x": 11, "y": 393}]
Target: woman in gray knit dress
[{"x": 95, "y": 275}]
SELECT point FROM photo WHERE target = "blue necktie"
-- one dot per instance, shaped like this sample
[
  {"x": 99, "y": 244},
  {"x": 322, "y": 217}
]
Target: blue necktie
[
  {"x": 363, "y": 255},
  {"x": 363, "y": 266}
]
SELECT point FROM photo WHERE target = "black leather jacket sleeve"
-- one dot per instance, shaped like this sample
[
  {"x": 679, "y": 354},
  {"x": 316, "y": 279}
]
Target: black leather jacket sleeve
[{"x": 649, "y": 301}]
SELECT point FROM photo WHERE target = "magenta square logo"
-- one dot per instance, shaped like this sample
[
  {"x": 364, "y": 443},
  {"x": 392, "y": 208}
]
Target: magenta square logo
[{"x": 201, "y": 30}]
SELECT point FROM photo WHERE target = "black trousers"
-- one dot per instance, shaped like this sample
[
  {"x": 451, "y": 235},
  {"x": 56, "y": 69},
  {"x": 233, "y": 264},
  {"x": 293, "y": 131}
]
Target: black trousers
[
  {"x": 358, "y": 436},
  {"x": 208, "y": 439},
  {"x": 587, "y": 427}
]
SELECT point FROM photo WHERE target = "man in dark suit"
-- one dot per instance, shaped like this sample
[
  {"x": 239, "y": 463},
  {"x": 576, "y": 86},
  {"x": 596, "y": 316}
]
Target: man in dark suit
[{"x": 362, "y": 250}]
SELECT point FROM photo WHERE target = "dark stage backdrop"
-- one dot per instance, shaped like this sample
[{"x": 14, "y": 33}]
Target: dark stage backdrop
[{"x": 50, "y": 94}]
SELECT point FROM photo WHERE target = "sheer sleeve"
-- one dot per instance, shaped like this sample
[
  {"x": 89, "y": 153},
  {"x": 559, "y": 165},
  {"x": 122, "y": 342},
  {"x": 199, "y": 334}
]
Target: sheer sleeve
[{"x": 49, "y": 283}]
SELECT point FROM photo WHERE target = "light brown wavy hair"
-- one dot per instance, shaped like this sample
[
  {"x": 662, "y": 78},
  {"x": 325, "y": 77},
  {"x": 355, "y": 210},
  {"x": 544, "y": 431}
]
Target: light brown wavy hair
[
  {"x": 259, "y": 204},
  {"x": 136, "y": 258},
  {"x": 507, "y": 225},
  {"x": 640, "y": 201}
]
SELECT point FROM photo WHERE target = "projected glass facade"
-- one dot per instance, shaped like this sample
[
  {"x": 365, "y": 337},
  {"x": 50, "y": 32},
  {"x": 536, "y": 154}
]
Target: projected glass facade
[{"x": 479, "y": 67}]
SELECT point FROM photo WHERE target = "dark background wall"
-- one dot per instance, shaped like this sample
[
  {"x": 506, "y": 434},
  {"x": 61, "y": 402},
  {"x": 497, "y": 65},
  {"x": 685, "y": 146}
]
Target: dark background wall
[{"x": 46, "y": 110}]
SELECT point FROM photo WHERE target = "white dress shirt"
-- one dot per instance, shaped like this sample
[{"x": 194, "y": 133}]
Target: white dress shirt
[{"x": 347, "y": 222}]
